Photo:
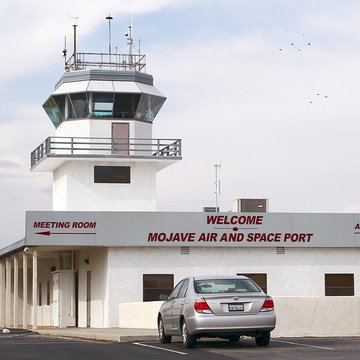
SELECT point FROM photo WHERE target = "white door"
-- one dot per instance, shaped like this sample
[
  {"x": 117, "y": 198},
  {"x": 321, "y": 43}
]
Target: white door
[
  {"x": 55, "y": 300},
  {"x": 64, "y": 298}
]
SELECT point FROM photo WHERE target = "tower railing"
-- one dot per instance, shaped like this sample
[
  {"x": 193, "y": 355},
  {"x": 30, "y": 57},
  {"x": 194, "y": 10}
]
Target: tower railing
[
  {"x": 73, "y": 147},
  {"x": 106, "y": 61}
]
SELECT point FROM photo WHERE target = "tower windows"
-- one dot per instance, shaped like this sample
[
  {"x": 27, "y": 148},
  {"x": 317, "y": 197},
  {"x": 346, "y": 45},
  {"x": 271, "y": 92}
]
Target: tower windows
[
  {"x": 79, "y": 106},
  {"x": 112, "y": 174},
  {"x": 103, "y": 105}
]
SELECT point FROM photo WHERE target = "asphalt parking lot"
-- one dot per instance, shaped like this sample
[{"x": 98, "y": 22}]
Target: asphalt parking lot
[{"x": 26, "y": 345}]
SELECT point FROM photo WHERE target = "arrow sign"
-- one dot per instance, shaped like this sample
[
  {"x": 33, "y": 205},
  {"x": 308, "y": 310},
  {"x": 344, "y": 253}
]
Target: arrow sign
[{"x": 48, "y": 233}]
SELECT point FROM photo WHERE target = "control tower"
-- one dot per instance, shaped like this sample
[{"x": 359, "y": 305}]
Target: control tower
[{"x": 103, "y": 155}]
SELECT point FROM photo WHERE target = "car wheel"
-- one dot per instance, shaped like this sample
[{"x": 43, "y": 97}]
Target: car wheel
[
  {"x": 189, "y": 341},
  {"x": 264, "y": 339},
  {"x": 234, "y": 338},
  {"x": 164, "y": 339}
]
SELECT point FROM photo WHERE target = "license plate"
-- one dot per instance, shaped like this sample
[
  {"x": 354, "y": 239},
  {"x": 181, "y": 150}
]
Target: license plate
[{"x": 236, "y": 307}]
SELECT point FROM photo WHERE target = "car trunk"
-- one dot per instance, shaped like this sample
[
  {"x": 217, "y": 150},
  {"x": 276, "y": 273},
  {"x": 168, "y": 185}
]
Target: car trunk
[{"x": 235, "y": 304}]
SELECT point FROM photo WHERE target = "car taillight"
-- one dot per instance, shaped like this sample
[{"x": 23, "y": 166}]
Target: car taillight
[
  {"x": 201, "y": 306},
  {"x": 268, "y": 304}
]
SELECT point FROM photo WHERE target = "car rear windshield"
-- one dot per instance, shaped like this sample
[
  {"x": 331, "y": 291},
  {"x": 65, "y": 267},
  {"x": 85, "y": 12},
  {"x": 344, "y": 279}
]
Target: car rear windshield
[{"x": 220, "y": 286}]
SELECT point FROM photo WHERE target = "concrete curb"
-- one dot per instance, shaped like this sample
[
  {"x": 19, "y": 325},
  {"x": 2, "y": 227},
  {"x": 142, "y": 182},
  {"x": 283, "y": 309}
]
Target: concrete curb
[{"x": 120, "y": 338}]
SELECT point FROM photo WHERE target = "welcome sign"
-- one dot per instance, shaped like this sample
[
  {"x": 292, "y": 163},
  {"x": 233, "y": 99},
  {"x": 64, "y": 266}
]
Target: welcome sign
[{"x": 192, "y": 229}]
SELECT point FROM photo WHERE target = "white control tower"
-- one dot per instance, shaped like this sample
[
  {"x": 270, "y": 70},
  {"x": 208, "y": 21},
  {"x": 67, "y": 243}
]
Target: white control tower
[{"x": 103, "y": 155}]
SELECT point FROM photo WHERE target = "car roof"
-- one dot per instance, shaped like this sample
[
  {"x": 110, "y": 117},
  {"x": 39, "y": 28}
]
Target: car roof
[{"x": 216, "y": 277}]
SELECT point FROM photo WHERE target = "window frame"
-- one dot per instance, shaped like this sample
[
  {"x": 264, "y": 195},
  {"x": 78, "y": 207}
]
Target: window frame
[
  {"x": 332, "y": 289},
  {"x": 101, "y": 177},
  {"x": 253, "y": 276},
  {"x": 161, "y": 290}
]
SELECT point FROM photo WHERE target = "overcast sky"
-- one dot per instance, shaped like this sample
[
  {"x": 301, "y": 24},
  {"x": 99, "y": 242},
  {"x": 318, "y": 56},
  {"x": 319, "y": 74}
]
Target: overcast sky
[{"x": 232, "y": 97}]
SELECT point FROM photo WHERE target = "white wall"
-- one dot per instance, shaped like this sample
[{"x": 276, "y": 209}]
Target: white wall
[
  {"x": 74, "y": 188},
  {"x": 102, "y": 128},
  {"x": 298, "y": 272}
]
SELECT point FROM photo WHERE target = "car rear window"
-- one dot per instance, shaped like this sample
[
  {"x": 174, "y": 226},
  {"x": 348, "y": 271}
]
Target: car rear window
[{"x": 221, "y": 286}]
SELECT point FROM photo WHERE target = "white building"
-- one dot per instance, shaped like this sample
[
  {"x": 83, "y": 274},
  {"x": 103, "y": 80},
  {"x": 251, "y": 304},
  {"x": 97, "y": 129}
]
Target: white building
[{"x": 104, "y": 245}]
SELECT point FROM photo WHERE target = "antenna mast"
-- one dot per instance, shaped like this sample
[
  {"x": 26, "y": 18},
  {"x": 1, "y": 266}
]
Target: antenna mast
[
  {"x": 217, "y": 186},
  {"x": 74, "y": 26},
  {"x": 109, "y": 17},
  {"x": 128, "y": 34},
  {"x": 65, "y": 51}
]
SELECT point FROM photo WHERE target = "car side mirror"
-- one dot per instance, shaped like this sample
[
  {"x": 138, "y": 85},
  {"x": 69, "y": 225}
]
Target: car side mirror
[{"x": 163, "y": 297}]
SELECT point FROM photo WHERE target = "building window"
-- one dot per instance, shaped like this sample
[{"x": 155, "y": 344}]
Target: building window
[
  {"x": 112, "y": 174},
  {"x": 156, "y": 284},
  {"x": 260, "y": 279},
  {"x": 339, "y": 284}
]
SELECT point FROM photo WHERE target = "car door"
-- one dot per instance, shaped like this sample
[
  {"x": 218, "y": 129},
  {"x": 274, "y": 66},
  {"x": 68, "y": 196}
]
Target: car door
[
  {"x": 166, "y": 310},
  {"x": 178, "y": 304}
]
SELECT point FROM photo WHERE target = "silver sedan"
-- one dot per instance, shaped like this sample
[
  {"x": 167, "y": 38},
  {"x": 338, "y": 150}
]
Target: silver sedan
[{"x": 216, "y": 306}]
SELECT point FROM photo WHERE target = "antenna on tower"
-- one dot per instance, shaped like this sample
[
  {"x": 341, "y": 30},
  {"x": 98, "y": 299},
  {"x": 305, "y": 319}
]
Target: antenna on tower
[
  {"x": 75, "y": 18},
  {"x": 128, "y": 35},
  {"x": 217, "y": 186},
  {"x": 65, "y": 50},
  {"x": 109, "y": 17}
]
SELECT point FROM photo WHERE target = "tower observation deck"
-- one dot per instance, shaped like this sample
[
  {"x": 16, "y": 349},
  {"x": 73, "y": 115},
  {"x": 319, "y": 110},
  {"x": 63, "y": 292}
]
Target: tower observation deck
[{"x": 103, "y": 108}]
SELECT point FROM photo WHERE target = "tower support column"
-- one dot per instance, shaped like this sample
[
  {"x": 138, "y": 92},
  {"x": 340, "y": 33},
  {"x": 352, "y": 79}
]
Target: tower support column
[
  {"x": 35, "y": 289},
  {"x": 8, "y": 293},
  {"x": 2, "y": 294},
  {"x": 16, "y": 291},
  {"x": 25, "y": 292}
]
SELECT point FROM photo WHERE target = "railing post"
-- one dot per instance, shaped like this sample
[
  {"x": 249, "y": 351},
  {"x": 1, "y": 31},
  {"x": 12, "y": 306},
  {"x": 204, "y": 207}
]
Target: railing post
[{"x": 48, "y": 145}]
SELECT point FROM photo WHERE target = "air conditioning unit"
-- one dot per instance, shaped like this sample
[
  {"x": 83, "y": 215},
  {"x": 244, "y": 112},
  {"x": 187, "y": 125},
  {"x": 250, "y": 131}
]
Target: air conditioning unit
[{"x": 250, "y": 205}]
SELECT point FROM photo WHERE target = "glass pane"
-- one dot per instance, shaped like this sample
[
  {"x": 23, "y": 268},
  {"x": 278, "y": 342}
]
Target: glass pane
[
  {"x": 156, "y": 284},
  {"x": 80, "y": 105},
  {"x": 144, "y": 104},
  {"x": 260, "y": 279},
  {"x": 218, "y": 286},
  {"x": 102, "y": 105},
  {"x": 154, "y": 294},
  {"x": 159, "y": 281},
  {"x": 71, "y": 111},
  {"x": 339, "y": 279},
  {"x": 112, "y": 174},
  {"x": 154, "y": 108},
  {"x": 176, "y": 291},
  {"x": 125, "y": 105},
  {"x": 184, "y": 288},
  {"x": 339, "y": 284},
  {"x": 53, "y": 111},
  {"x": 60, "y": 102},
  {"x": 341, "y": 291}
]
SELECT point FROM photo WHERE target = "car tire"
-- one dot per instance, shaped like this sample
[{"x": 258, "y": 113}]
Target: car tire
[
  {"x": 189, "y": 341},
  {"x": 234, "y": 338},
  {"x": 164, "y": 339},
  {"x": 264, "y": 339}
]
